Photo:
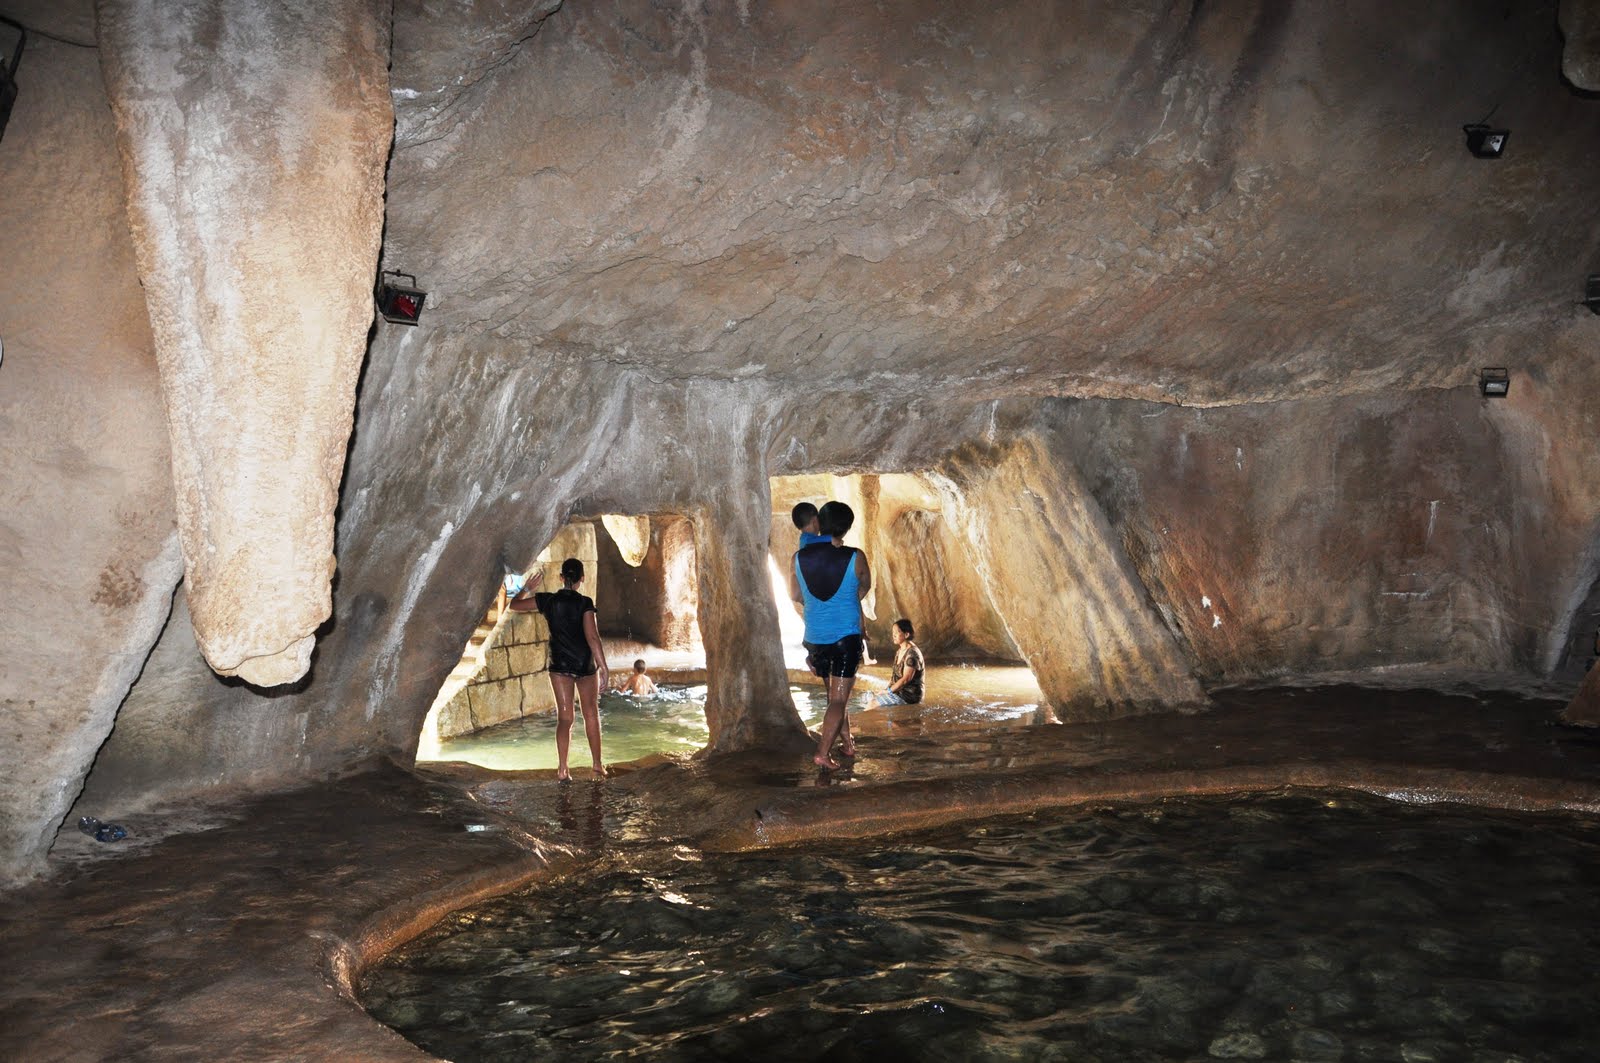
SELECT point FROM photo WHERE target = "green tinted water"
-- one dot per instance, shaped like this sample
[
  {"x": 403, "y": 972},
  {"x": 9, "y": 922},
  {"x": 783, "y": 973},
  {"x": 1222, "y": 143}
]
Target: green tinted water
[{"x": 674, "y": 721}]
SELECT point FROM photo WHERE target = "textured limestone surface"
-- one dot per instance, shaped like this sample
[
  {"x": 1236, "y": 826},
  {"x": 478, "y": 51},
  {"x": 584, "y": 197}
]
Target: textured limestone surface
[
  {"x": 674, "y": 250},
  {"x": 253, "y": 137},
  {"x": 657, "y": 601},
  {"x": 1069, "y": 595},
  {"x": 1580, "y": 27},
  {"x": 88, "y": 547},
  {"x": 1198, "y": 203}
]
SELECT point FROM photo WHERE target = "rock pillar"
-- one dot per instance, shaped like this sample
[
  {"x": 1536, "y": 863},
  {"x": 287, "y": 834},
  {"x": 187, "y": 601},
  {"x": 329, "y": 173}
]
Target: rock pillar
[
  {"x": 747, "y": 702},
  {"x": 1057, "y": 575},
  {"x": 253, "y": 136}
]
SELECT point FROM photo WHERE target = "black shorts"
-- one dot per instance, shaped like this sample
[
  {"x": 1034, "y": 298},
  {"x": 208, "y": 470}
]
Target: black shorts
[{"x": 840, "y": 658}]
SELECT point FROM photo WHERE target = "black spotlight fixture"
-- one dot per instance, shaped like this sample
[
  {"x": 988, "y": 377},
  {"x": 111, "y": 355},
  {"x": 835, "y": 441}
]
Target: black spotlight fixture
[
  {"x": 1494, "y": 382},
  {"x": 396, "y": 303},
  {"x": 1484, "y": 141},
  {"x": 1591, "y": 292},
  {"x": 8, "y": 74}
]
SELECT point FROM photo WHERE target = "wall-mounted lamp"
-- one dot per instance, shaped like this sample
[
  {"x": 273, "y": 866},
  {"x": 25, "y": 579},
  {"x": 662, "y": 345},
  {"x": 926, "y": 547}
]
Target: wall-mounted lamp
[
  {"x": 1494, "y": 382},
  {"x": 1485, "y": 142},
  {"x": 399, "y": 304},
  {"x": 8, "y": 74},
  {"x": 1591, "y": 292}
]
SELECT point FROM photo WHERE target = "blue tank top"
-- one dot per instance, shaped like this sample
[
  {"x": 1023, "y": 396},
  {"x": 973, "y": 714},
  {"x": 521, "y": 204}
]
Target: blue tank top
[{"x": 829, "y": 591}]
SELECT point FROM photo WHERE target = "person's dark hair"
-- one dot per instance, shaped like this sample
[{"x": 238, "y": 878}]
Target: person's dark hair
[
  {"x": 571, "y": 570},
  {"x": 803, "y": 514},
  {"x": 835, "y": 518},
  {"x": 638, "y": 666},
  {"x": 905, "y": 628}
]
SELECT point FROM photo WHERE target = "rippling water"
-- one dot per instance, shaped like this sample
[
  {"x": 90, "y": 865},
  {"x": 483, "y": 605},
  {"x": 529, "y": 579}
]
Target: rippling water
[
  {"x": 1289, "y": 926},
  {"x": 674, "y": 721}
]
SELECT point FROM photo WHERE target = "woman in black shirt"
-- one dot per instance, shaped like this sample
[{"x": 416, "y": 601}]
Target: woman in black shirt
[{"x": 577, "y": 662}]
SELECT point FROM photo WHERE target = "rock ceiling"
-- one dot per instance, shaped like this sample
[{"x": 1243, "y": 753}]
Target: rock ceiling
[{"x": 1180, "y": 203}]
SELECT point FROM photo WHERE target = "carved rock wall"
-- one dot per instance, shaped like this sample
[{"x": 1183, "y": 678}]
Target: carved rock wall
[
  {"x": 88, "y": 546},
  {"x": 1069, "y": 596},
  {"x": 1293, "y": 538},
  {"x": 657, "y": 602},
  {"x": 672, "y": 251}
]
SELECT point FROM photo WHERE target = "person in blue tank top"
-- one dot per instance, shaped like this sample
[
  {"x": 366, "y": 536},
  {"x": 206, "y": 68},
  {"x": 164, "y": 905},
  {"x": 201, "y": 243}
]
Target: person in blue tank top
[
  {"x": 804, "y": 515},
  {"x": 827, "y": 581}
]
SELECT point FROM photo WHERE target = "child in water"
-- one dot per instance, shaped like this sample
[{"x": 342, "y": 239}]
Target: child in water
[{"x": 639, "y": 684}]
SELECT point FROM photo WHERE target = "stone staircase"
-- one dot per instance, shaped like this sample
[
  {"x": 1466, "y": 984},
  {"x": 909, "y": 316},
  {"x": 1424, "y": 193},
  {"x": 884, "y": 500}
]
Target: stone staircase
[{"x": 471, "y": 662}]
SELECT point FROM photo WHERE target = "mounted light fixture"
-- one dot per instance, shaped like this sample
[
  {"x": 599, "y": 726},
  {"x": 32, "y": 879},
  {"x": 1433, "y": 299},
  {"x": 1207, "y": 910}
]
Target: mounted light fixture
[
  {"x": 1494, "y": 382},
  {"x": 1591, "y": 292},
  {"x": 1484, "y": 141},
  {"x": 8, "y": 74},
  {"x": 399, "y": 304}
]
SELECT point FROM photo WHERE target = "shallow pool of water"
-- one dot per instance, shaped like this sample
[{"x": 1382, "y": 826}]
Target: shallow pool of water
[
  {"x": 674, "y": 721},
  {"x": 1299, "y": 926}
]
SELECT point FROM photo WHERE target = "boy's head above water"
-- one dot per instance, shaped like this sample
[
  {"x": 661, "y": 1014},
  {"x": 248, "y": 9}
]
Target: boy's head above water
[
  {"x": 638, "y": 666},
  {"x": 804, "y": 516}
]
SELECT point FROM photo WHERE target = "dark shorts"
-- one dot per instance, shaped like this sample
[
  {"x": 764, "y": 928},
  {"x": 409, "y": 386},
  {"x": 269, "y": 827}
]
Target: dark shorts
[
  {"x": 575, "y": 667},
  {"x": 840, "y": 658}
]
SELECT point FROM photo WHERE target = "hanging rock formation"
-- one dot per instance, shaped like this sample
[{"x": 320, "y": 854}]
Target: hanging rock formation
[{"x": 253, "y": 137}]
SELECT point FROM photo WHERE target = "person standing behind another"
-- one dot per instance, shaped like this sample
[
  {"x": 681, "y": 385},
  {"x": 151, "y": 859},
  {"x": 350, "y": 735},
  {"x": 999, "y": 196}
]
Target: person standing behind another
[
  {"x": 577, "y": 661},
  {"x": 905, "y": 686},
  {"x": 804, "y": 515},
  {"x": 827, "y": 581}
]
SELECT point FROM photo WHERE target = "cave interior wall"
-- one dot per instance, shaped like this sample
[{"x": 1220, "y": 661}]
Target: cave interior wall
[{"x": 1200, "y": 370}]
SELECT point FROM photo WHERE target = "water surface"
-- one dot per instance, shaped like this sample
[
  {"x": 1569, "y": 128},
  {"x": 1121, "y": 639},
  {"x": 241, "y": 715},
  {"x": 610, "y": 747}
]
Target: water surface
[
  {"x": 674, "y": 721},
  {"x": 1304, "y": 926}
]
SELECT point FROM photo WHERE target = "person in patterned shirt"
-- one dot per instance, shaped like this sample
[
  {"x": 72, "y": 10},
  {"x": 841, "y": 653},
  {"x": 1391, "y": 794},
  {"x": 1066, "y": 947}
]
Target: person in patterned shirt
[{"x": 905, "y": 686}]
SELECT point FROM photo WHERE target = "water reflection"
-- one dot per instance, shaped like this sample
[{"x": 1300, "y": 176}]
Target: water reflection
[{"x": 1314, "y": 927}]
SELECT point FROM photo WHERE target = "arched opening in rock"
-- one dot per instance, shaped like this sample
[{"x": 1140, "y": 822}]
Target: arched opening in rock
[
  {"x": 922, "y": 570},
  {"x": 500, "y": 677}
]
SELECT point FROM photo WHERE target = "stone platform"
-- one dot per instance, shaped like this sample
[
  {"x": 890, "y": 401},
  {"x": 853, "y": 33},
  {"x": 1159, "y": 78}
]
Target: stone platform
[{"x": 241, "y": 938}]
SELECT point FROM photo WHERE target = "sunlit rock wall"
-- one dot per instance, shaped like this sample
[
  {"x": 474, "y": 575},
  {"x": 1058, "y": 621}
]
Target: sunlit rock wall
[
  {"x": 253, "y": 135},
  {"x": 656, "y": 602},
  {"x": 88, "y": 546}
]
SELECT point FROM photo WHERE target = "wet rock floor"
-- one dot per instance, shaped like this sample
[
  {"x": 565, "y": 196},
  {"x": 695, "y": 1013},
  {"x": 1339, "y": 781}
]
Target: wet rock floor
[{"x": 239, "y": 940}]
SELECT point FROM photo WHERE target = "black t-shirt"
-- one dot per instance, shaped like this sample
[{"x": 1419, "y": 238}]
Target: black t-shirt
[{"x": 569, "y": 647}]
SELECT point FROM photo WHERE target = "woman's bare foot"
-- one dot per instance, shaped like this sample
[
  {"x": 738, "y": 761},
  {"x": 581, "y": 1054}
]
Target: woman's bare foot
[
  {"x": 600, "y": 771},
  {"x": 825, "y": 763},
  {"x": 563, "y": 775},
  {"x": 849, "y": 747}
]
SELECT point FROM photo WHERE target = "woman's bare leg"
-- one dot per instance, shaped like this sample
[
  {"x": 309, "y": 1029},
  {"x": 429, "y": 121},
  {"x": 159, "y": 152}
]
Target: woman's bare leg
[
  {"x": 562, "y": 687},
  {"x": 839, "y": 689},
  {"x": 589, "y": 696}
]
